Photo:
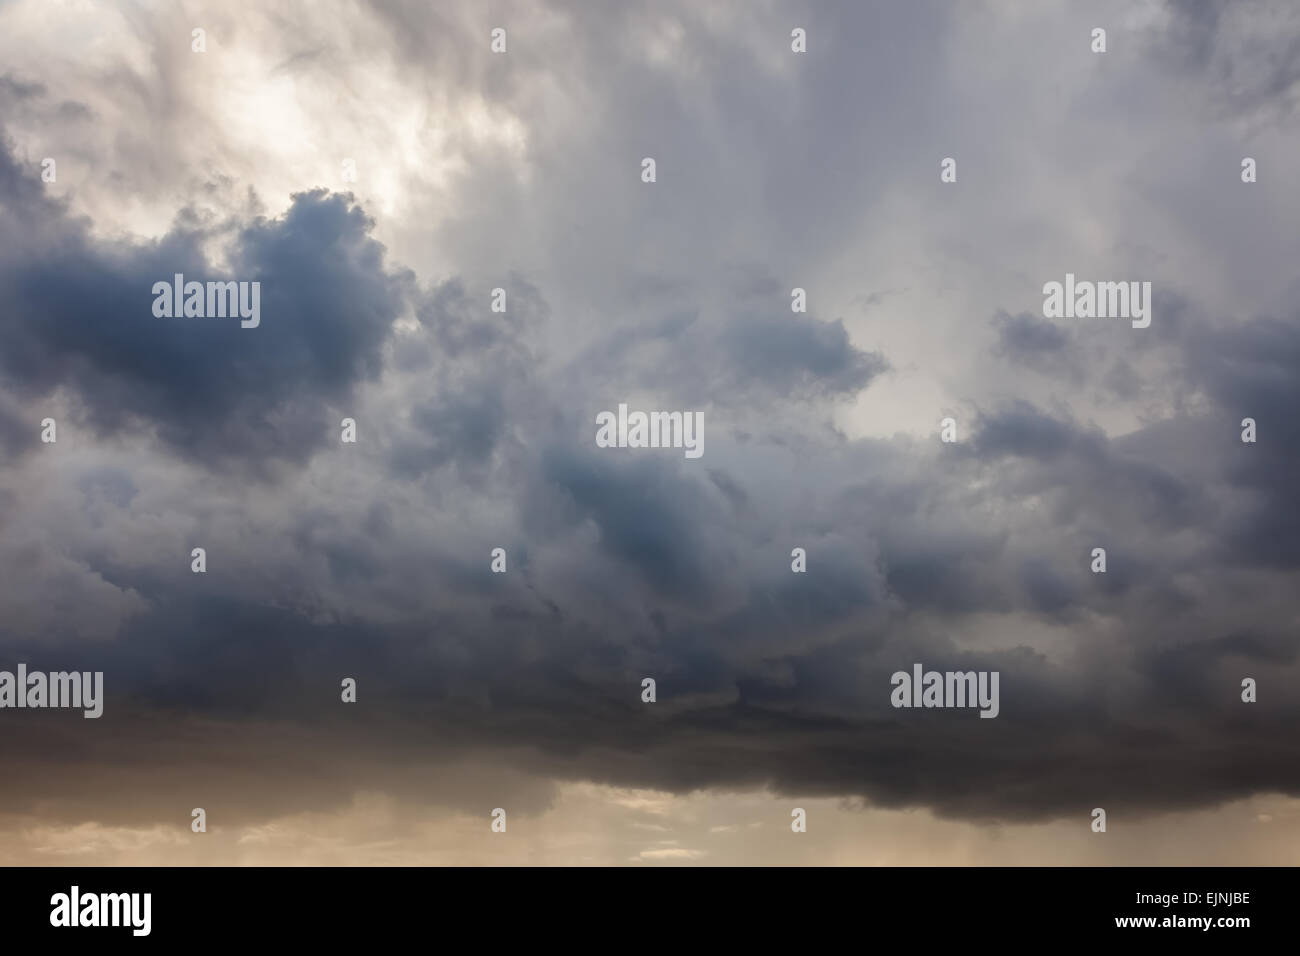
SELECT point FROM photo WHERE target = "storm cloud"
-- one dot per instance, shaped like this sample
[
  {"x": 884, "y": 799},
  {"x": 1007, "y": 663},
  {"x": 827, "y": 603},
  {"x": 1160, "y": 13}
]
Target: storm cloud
[{"x": 476, "y": 428}]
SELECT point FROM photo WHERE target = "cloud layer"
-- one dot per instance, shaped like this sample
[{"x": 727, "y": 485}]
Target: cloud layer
[{"x": 476, "y": 429}]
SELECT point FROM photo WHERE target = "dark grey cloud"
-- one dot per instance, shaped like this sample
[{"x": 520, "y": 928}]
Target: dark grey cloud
[
  {"x": 1248, "y": 370},
  {"x": 80, "y": 318},
  {"x": 463, "y": 427},
  {"x": 1042, "y": 346},
  {"x": 1025, "y": 431},
  {"x": 13, "y": 89},
  {"x": 1026, "y": 335},
  {"x": 1248, "y": 54},
  {"x": 750, "y": 352},
  {"x": 17, "y": 432}
]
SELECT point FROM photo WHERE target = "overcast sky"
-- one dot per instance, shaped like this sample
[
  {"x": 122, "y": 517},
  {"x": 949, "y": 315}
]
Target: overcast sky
[{"x": 475, "y": 431}]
